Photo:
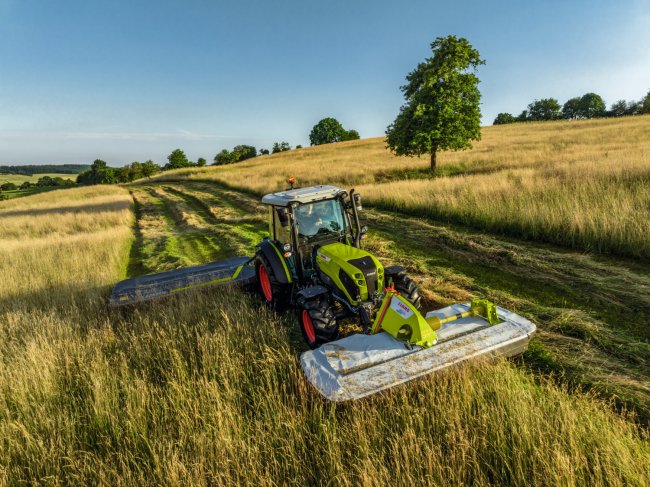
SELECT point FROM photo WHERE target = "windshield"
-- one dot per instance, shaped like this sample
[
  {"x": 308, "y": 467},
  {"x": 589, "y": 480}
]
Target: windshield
[{"x": 321, "y": 218}]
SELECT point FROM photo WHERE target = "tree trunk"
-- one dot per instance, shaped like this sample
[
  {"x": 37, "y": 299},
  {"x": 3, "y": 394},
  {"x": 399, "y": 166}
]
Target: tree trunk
[{"x": 433, "y": 161}]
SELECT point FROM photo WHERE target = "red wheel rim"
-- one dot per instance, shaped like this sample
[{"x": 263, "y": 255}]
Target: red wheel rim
[
  {"x": 265, "y": 283},
  {"x": 308, "y": 326}
]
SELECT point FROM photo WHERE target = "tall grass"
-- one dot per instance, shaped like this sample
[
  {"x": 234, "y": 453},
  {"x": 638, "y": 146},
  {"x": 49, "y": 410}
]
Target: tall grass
[
  {"x": 582, "y": 205},
  {"x": 207, "y": 389}
]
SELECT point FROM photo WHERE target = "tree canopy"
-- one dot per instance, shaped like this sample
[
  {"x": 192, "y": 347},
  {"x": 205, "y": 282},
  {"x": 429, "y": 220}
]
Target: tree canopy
[
  {"x": 544, "y": 109},
  {"x": 326, "y": 131},
  {"x": 280, "y": 147},
  {"x": 238, "y": 153},
  {"x": 591, "y": 106},
  {"x": 330, "y": 130},
  {"x": 442, "y": 102},
  {"x": 99, "y": 173},
  {"x": 504, "y": 118},
  {"x": 177, "y": 160},
  {"x": 571, "y": 109}
]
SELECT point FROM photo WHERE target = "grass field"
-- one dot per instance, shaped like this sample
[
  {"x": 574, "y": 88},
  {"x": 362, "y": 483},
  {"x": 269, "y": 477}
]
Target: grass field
[
  {"x": 206, "y": 388},
  {"x": 18, "y": 179},
  {"x": 21, "y": 178},
  {"x": 583, "y": 185}
]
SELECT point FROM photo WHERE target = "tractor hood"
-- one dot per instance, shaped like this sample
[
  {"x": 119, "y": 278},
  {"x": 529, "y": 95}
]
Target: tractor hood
[{"x": 353, "y": 272}]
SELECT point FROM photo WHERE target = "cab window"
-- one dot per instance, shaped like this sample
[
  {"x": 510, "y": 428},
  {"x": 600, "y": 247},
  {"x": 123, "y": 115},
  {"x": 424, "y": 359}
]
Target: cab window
[
  {"x": 282, "y": 234},
  {"x": 320, "y": 219}
]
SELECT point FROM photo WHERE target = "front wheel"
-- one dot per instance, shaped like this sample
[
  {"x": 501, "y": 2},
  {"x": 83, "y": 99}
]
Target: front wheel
[
  {"x": 407, "y": 288},
  {"x": 317, "y": 322}
]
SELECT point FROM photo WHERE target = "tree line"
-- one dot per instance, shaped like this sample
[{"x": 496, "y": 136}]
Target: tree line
[
  {"x": 43, "y": 182},
  {"x": 30, "y": 170},
  {"x": 326, "y": 131},
  {"x": 589, "y": 105}
]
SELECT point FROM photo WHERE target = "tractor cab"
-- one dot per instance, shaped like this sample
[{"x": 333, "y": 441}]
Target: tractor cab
[{"x": 302, "y": 220}]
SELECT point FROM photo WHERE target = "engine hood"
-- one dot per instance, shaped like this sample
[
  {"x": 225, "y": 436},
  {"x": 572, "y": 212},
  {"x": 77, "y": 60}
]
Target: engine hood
[{"x": 354, "y": 272}]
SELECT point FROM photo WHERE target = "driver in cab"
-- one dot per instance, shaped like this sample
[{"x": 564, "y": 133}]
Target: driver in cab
[{"x": 311, "y": 218}]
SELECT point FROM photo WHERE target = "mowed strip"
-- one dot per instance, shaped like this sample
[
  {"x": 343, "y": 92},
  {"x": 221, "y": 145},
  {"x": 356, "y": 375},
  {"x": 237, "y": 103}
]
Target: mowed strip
[
  {"x": 179, "y": 228},
  {"x": 235, "y": 226}
]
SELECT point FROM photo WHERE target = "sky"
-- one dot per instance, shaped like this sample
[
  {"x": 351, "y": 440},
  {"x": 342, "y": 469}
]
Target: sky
[{"x": 133, "y": 80}]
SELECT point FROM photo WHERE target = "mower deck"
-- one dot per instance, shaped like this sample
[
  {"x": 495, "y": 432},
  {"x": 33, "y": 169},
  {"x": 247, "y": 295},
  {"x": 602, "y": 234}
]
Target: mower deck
[
  {"x": 360, "y": 365},
  {"x": 153, "y": 286}
]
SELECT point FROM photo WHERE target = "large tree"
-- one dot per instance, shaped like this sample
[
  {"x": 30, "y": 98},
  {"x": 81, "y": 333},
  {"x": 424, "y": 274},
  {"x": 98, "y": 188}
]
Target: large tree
[
  {"x": 177, "y": 160},
  {"x": 223, "y": 157},
  {"x": 243, "y": 152},
  {"x": 99, "y": 173},
  {"x": 442, "y": 102},
  {"x": 544, "y": 109},
  {"x": 504, "y": 118},
  {"x": 592, "y": 105},
  {"x": 571, "y": 109},
  {"x": 326, "y": 131},
  {"x": 149, "y": 168}
]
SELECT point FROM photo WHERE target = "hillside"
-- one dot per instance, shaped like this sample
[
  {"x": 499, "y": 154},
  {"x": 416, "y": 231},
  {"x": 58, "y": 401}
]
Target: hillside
[
  {"x": 206, "y": 388},
  {"x": 582, "y": 184}
]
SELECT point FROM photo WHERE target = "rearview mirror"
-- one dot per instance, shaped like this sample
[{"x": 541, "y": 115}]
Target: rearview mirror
[
  {"x": 283, "y": 216},
  {"x": 357, "y": 201}
]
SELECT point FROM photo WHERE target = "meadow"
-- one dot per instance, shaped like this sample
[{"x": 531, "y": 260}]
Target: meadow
[
  {"x": 206, "y": 388},
  {"x": 579, "y": 184}
]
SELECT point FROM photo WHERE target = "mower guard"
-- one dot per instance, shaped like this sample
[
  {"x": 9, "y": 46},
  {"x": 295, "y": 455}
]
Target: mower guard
[
  {"x": 360, "y": 365},
  {"x": 144, "y": 288}
]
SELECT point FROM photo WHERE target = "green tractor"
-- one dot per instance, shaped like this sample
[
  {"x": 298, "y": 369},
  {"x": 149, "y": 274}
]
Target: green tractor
[{"x": 313, "y": 264}]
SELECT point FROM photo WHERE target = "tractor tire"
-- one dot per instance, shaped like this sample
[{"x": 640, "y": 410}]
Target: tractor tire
[
  {"x": 317, "y": 322},
  {"x": 275, "y": 294},
  {"x": 407, "y": 288}
]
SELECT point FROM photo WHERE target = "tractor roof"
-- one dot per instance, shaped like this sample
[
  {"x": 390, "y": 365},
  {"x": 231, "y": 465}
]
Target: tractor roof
[{"x": 301, "y": 195}]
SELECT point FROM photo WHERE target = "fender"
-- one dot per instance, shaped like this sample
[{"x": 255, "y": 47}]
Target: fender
[
  {"x": 394, "y": 269},
  {"x": 278, "y": 264},
  {"x": 310, "y": 293}
]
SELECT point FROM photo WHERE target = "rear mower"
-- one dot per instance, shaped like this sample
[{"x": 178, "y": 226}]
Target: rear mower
[{"x": 313, "y": 264}]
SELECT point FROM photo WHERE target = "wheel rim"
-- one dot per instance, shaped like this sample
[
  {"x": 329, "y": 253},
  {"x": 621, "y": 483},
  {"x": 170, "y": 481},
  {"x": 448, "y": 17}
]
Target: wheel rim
[
  {"x": 265, "y": 283},
  {"x": 308, "y": 326}
]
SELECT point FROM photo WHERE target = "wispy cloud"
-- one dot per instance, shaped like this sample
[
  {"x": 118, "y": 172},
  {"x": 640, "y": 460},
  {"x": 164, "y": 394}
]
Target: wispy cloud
[{"x": 135, "y": 136}]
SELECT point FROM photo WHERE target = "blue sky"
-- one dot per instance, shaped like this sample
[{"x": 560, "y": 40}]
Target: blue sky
[{"x": 133, "y": 80}]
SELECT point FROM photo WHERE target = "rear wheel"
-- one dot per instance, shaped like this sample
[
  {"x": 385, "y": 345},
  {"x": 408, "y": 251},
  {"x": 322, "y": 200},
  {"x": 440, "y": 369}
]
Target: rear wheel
[
  {"x": 317, "y": 322},
  {"x": 276, "y": 295},
  {"x": 407, "y": 288}
]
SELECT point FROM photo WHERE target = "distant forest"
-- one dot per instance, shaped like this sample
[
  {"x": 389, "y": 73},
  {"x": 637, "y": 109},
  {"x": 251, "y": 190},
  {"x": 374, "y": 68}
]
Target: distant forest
[{"x": 45, "y": 169}]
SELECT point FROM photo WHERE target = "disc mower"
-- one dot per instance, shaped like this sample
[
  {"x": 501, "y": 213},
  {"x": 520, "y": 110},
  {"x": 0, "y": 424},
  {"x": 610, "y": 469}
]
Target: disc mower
[{"x": 313, "y": 264}]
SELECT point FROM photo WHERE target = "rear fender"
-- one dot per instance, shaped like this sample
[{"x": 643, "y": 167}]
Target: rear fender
[{"x": 274, "y": 257}]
